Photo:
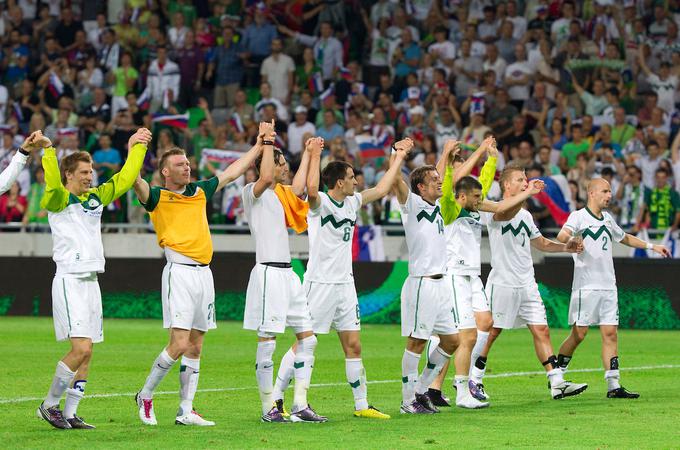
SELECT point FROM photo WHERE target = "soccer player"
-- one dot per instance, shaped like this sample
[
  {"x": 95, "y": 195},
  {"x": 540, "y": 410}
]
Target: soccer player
[
  {"x": 178, "y": 214},
  {"x": 274, "y": 298},
  {"x": 511, "y": 288},
  {"x": 477, "y": 315},
  {"x": 594, "y": 299},
  {"x": 464, "y": 237},
  {"x": 328, "y": 281},
  {"x": 16, "y": 165},
  {"x": 426, "y": 298},
  {"x": 74, "y": 211}
]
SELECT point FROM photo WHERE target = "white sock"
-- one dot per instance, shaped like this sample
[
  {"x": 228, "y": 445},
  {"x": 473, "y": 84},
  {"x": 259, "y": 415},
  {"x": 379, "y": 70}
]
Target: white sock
[
  {"x": 482, "y": 337},
  {"x": 188, "y": 383},
  {"x": 409, "y": 376},
  {"x": 556, "y": 376},
  {"x": 73, "y": 397},
  {"x": 62, "y": 378},
  {"x": 356, "y": 377},
  {"x": 264, "y": 372},
  {"x": 432, "y": 345},
  {"x": 160, "y": 368},
  {"x": 302, "y": 367},
  {"x": 462, "y": 388},
  {"x": 612, "y": 377},
  {"x": 285, "y": 375},
  {"x": 434, "y": 365}
]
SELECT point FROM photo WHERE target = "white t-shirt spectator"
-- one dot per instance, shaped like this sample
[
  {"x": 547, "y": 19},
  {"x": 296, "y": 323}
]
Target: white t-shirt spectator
[
  {"x": 515, "y": 71},
  {"x": 295, "y": 134},
  {"x": 648, "y": 167},
  {"x": 445, "y": 50},
  {"x": 420, "y": 9},
  {"x": 497, "y": 66},
  {"x": 176, "y": 36},
  {"x": 277, "y": 69},
  {"x": 519, "y": 26},
  {"x": 665, "y": 89}
]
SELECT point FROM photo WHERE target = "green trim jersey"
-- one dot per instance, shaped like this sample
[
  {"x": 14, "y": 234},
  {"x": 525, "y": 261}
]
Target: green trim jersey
[
  {"x": 331, "y": 228},
  {"x": 510, "y": 241},
  {"x": 267, "y": 223},
  {"x": 464, "y": 243},
  {"x": 424, "y": 229},
  {"x": 75, "y": 222},
  {"x": 594, "y": 268}
]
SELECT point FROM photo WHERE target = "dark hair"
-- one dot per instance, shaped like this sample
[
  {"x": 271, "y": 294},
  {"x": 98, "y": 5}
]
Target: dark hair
[
  {"x": 278, "y": 153},
  {"x": 613, "y": 91},
  {"x": 575, "y": 126},
  {"x": 662, "y": 170},
  {"x": 537, "y": 167},
  {"x": 334, "y": 171},
  {"x": 635, "y": 168},
  {"x": 418, "y": 177},
  {"x": 466, "y": 185},
  {"x": 607, "y": 171},
  {"x": 70, "y": 163}
]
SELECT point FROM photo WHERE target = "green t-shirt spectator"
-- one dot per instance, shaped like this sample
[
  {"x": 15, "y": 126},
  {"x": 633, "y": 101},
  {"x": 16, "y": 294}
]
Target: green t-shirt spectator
[
  {"x": 35, "y": 213},
  {"x": 622, "y": 134},
  {"x": 663, "y": 205},
  {"x": 571, "y": 150},
  {"x": 120, "y": 88}
]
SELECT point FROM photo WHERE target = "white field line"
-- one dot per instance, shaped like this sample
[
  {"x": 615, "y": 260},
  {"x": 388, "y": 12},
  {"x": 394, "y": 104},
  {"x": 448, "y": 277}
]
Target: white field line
[{"x": 322, "y": 385}]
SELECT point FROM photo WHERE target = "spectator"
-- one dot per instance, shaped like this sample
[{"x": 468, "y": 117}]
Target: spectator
[
  {"x": 330, "y": 129},
  {"x": 278, "y": 70},
  {"x": 34, "y": 213},
  {"x": 66, "y": 28},
  {"x": 266, "y": 98},
  {"x": 228, "y": 65},
  {"x": 596, "y": 102},
  {"x": 297, "y": 129},
  {"x": 507, "y": 42},
  {"x": 630, "y": 196},
  {"x": 124, "y": 79},
  {"x": 622, "y": 131},
  {"x": 662, "y": 206},
  {"x": 177, "y": 33},
  {"x": 544, "y": 157},
  {"x": 163, "y": 76},
  {"x": 110, "y": 50},
  {"x": 467, "y": 69},
  {"x": 107, "y": 160},
  {"x": 191, "y": 62},
  {"x": 443, "y": 50},
  {"x": 494, "y": 61},
  {"x": 518, "y": 76},
  {"x": 12, "y": 205},
  {"x": 573, "y": 148},
  {"x": 257, "y": 40},
  {"x": 649, "y": 164}
]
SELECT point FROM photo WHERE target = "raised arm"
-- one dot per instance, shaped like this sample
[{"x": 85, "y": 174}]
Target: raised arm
[
  {"x": 450, "y": 207},
  {"x": 56, "y": 196},
  {"x": 488, "y": 172},
  {"x": 507, "y": 208},
  {"x": 300, "y": 178},
  {"x": 16, "y": 165},
  {"x": 266, "y": 134},
  {"x": 121, "y": 182},
  {"x": 385, "y": 184},
  {"x": 313, "y": 149},
  {"x": 266, "y": 178},
  {"x": 466, "y": 168},
  {"x": 449, "y": 152}
]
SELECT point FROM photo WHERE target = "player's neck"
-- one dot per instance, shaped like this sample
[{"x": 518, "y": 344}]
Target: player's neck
[
  {"x": 177, "y": 188},
  {"x": 594, "y": 209},
  {"x": 337, "y": 195}
]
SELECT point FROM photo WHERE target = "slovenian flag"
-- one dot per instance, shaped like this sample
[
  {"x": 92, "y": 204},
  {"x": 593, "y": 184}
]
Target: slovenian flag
[
  {"x": 144, "y": 100},
  {"x": 235, "y": 122},
  {"x": 16, "y": 112},
  {"x": 369, "y": 147},
  {"x": 477, "y": 103},
  {"x": 367, "y": 244},
  {"x": 68, "y": 131},
  {"x": 55, "y": 85},
  {"x": 325, "y": 95},
  {"x": 345, "y": 73},
  {"x": 172, "y": 120},
  {"x": 232, "y": 206},
  {"x": 316, "y": 83}
]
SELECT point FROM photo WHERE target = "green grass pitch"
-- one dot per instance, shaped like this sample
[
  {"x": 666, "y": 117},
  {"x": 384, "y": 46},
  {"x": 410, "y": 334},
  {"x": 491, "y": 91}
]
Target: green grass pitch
[{"x": 522, "y": 415}]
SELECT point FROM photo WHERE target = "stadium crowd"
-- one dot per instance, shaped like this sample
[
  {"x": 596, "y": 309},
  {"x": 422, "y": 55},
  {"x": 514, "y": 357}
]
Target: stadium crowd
[{"x": 570, "y": 89}]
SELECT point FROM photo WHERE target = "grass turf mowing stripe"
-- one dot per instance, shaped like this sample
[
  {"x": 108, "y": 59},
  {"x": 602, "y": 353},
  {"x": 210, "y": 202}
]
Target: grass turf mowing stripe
[{"x": 320, "y": 385}]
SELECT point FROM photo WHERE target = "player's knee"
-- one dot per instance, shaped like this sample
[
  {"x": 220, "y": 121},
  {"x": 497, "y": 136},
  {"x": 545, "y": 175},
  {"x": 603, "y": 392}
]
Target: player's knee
[
  {"x": 579, "y": 333},
  {"x": 415, "y": 345},
  {"x": 83, "y": 353},
  {"x": 609, "y": 335},
  {"x": 353, "y": 349},
  {"x": 485, "y": 323}
]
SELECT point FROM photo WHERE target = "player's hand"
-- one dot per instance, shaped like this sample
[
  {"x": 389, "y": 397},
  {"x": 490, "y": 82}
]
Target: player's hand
[
  {"x": 36, "y": 141},
  {"x": 535, "y": 186},
  {"x": 141, "y": 136},
  {"x": 452, "y": 148},
  {"x": 266, "y": 132},
  {"x": 405, "y": 144},
  {"x": 663, "y": 251},
  {"x": 492, "y": 150},
  {"x": 314, "y": 146},
  {"x": 575, "y": 245}
]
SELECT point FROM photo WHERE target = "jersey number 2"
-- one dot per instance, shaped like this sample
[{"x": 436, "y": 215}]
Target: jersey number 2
[{"x": 604, "y": 244}]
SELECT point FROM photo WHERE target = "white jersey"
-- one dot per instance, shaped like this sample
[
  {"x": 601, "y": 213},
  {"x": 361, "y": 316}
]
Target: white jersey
[
  {"x": 76, "y": 236},
  {"x": 464, "y": 243},
  {"x": 331, "y": 227},
  {"x": 510, "y": 241},
  {"x": 424, "y": 229},
  {"x": 267, "y": 224},
  {"x": 594, "y": 268}
]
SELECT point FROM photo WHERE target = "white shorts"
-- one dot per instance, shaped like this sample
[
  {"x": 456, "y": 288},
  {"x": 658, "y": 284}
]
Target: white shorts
[
  {"x": 594, "y": 307},
  {"x": 427, "y": 307},
  {"x": 332, "y": 304},
  {"x": 188, "y": 297},
  {"x": 468, "y": 298},
  {"x": 516, "y": 307},
  {"x": 77, "y": 308},
  {"x": 274, "y": 300}
]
